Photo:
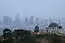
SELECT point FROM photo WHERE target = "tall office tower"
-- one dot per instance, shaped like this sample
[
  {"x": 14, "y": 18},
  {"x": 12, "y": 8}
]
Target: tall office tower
[
  {"x": 7, "y": 21},
  {"x": 0, "y": 24},
  {"x": 17, "y": 23},
  {"x": 41, "y": 24},
  {"x": 37, "y": 21},
  {"x": 46, "y": 23},
  {"x": 26, "y": 21},
  {"x": 31, "y": 20}
]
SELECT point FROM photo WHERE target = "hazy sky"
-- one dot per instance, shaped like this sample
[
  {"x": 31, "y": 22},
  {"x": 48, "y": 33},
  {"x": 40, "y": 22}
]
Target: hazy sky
[{"x": 36, "y": 8}]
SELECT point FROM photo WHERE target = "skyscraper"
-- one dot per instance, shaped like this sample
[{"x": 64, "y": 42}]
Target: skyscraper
[
  {"x": 31, "y": 20},
  {"x": 7, "y": 20},
  {"x": 26, "y": 21},
  {"x": 37, "y": 21},
  {"x": 46, "y": 23},
  {"x": 0, "y": 23},
  {"x": 17, "y": 23}
]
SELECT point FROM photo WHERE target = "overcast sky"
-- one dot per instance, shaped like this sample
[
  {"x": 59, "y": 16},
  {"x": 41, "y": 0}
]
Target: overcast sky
[{"x": 36, "y": 8}]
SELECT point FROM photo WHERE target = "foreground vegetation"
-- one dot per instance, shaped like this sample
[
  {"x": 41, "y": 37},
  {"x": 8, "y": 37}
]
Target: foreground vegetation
[{"x": 27, "y": 37}]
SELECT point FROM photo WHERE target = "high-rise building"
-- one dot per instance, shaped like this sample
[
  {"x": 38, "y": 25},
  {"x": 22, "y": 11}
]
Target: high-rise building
[
  {"x": 37, "y": 21},
  {"x": 26, "y": 21},
  {"x": 0, "y": 23},
  {"x": 31, "y": 20},
  {"x": 17, "y": 22},
  {"x": 41, "y": 24},
  {"x": 7, "y": 20},
  {"x": 46, "y": 23}
]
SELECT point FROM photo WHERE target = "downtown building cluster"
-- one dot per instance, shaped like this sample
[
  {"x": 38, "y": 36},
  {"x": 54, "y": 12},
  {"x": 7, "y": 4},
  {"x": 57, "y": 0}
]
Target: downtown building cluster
[{"x": 31, "y": 22}]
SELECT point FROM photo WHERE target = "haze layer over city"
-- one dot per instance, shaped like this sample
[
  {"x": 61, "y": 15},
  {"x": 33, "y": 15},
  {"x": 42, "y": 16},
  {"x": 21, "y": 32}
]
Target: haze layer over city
[{"x": 41, "y": 9}]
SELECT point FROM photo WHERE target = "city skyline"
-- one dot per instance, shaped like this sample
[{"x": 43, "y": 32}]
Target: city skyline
[
  {"x": 32, "y": 21},
  {"x": 36, "y": 8}
]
